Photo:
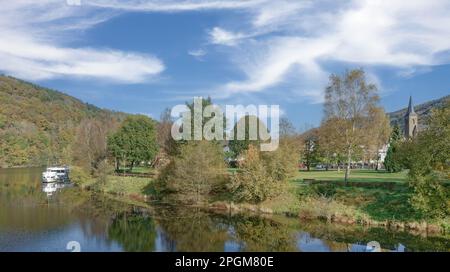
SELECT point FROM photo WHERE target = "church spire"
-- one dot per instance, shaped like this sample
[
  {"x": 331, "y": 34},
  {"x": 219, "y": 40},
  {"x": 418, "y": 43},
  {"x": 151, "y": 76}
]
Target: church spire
[
  {"x": 410, "y": 107},
  {"x": 411, "y": 121}
]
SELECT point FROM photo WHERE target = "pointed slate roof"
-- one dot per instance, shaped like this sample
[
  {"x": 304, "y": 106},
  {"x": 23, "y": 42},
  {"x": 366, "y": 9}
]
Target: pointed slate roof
[{"x": 410, "y": 110}]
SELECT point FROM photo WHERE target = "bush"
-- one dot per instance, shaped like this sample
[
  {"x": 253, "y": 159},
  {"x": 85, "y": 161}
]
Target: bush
[
  {"x": 194, "y": 174},
  {"x": 78, "y": 176},
  {"x": 429, "y": 197},
  {"x": 103, "y": 170},
  {"x": 253, "y": 183},
  {"x": 263, "y": 176},
  {"x": 325, "y": 190},
  {"x": 282, "y": 164}
]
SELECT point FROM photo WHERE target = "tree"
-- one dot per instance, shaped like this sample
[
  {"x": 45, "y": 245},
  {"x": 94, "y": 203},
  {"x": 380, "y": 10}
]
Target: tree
[
  {"x": 311, "y": 153},
  {"x": 248, "y": 122},
  {"x": 164, "y": 137},
  {"x": 379, "y": 132},
  {"x": 198, "y": 117},
  {"x": 194, "y": 173},
  {"x": 90, "y": 144},
  {"x": 331, "y": 148},
  {"x": 287, "y": 129},
  {"x": 391, "y": 161},
  {"x": 264, "y": 175},
  {"x": 253, "y": 183},
  {"x": 167, "y": 145},
  {"x": 349, "y": 103},
  {"x": 427, "y": 156},
  {"x": 134, "y": 142}
]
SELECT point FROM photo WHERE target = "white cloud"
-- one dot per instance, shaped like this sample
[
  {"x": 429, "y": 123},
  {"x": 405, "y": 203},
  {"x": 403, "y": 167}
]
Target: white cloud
[
  {"x": 34, "y": 34},
  {"x": 300, "y": 38},
  {"x": 284, "y": 43},
  {"x": 174, "y": 5},
  {"x": 224, "y": 37},
  {"x": 198, "y": 53}
]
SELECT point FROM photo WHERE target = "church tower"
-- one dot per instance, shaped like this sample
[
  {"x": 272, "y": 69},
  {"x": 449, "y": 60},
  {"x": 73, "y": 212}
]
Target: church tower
[{"x": 411, "y": 121}]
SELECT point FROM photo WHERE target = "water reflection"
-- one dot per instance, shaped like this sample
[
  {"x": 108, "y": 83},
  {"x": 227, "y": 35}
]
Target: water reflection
[
  {"x": 52, "y": 188},
  {"x": 134, "y": 231},
  {"x": 36, "y": 217}
]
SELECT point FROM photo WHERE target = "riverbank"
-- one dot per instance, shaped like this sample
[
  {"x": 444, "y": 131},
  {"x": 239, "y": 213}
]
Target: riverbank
[{"x": 383, "y": 206}]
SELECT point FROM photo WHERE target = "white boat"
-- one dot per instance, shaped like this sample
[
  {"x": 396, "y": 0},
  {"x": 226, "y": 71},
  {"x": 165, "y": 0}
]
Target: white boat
[{"x": 56, "y": 174}]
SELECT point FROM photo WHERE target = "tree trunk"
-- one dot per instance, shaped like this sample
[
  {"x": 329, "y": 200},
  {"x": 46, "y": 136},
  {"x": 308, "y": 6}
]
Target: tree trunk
[
  {"x": 349, "y": 161},
  {"x": 117, "y": 165}
]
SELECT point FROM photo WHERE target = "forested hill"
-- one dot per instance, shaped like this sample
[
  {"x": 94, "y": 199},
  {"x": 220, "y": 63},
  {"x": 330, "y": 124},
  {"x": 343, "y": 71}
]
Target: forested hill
[
  {"x": 37, "y": 125},
  {"x": 423, "y": 111}
]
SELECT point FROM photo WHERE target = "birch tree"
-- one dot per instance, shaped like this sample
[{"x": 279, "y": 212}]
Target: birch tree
[{"x": 349, "y": 103}]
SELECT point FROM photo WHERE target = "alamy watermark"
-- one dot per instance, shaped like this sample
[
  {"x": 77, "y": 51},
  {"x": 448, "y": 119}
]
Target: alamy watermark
[
  {"x": 73, "y": 246},
  {"x": 190, "y": 123}
]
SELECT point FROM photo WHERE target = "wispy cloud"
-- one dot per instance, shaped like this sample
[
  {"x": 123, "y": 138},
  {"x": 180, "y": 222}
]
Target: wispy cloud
[
  {"x": 197, "y": 53},
  {"x": 33, "y": 45},
  {"x": 223, "y": 37},
  {"x": 174, "y": 5},
  {"x": 301, "y": 37},
  {"x": 284, "y": 44}
]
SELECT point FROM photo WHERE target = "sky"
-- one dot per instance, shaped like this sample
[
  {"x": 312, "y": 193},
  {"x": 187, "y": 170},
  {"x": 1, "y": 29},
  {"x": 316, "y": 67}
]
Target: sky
[{"x": 141, "y": 56}]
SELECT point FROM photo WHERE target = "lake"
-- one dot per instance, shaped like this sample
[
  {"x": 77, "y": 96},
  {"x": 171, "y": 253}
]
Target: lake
[{"x": 39, "y": 217}]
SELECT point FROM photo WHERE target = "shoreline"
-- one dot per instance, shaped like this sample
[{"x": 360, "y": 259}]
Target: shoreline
[{"x": 412, "y": 227}]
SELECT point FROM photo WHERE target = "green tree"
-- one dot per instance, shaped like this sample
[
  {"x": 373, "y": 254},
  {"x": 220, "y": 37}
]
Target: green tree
[
  {"x": 195, "y": 117},
  {"x": 311, "y": 153},
  {"x": 427, "y": 156},
  {"x": 134, "y": 142},
  {"x": 391, "y": 161},
  {"x": 237, "y": 145}
]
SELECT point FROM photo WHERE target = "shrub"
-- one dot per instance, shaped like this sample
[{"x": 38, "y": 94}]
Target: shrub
[
  {"x": 263, "y": 176},
  {"x": 326, "y": 208},
  {"x": 282, "y": 163},
  {"x": 197, "y": 171},
  {"x": 253, "y": 183},
  {"x": 429, "y": 197},
  {"x": 78, "y": 176},
  {"x": 103, "y": 170},
  {"x": 326, "y": 190}
]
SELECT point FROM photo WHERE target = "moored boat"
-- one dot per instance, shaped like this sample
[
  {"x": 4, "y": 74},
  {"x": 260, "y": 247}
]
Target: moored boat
[{"x": 56, "y": 174}]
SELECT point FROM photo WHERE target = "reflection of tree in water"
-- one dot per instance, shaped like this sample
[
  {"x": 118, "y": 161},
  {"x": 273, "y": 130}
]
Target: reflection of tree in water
[
  {"x": 263, "y": 234},
  {"x": 190, "y": 229},
  {"x": 390, "y": 240},
  {"x": 196, "y": 230},
  {"x": 134, "y": 231}
]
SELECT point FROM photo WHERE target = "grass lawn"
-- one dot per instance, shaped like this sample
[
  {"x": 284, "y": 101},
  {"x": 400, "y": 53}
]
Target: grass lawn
[
  {"x": 125, "y": 185},
  {"x": 356, "y": 175}
]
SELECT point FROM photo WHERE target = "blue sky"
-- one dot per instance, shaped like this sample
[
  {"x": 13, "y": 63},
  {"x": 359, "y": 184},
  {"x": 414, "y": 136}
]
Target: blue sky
[{"x": 144, "y": 56}]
